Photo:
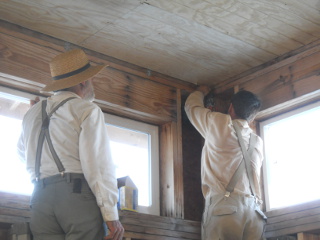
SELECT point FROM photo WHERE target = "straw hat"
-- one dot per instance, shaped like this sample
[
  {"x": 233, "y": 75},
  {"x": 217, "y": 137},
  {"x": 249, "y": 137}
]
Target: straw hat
[{"x": 69, "y": 69}]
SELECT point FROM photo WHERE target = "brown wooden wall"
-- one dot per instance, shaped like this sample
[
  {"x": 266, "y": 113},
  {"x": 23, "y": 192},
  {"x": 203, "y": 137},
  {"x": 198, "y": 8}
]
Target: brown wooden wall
[
  {"x": 122, "y": 89},
  {"x": 285, "y": 83},
  {"x": 131, "y": 91}
]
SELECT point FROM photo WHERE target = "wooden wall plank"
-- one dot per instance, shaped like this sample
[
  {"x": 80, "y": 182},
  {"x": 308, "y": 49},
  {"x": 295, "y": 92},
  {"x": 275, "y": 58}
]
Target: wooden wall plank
[
  {"x": 122, "y": 89},
  {"x": 146, "y": 226},
  {"x": 166, "y": 171},
  {"x": 15, "y": 208},
  {"x": 53, "y": 46},
  {"x": 288, "y": 82},
  {"x": 190, "y": 226},
  {"x": 294, "y": 219},
  {"x": 178, "y": 163},
  {"x": 307, "y": 236},
  {"x": 269, "y": 66},
  {"x": 160, "y": 232},
  {"x": 118, "y": 91},
  {"x": 129, "y": 93}
]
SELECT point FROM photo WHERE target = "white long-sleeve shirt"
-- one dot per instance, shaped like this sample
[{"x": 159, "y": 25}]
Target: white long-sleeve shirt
[
  {"x": 79, "y": 136},
  {"x": 221, "y": 153}
]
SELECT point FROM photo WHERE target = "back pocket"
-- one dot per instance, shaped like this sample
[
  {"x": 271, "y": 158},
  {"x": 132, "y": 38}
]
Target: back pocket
[{"x": 224, "y": 210}]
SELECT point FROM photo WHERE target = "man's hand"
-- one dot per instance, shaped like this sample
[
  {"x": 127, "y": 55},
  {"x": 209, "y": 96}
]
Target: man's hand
[
  {"x": 115, "y": 230},
  {"x": 33, "y": 102},
  {"x": 204, "y": 89}
]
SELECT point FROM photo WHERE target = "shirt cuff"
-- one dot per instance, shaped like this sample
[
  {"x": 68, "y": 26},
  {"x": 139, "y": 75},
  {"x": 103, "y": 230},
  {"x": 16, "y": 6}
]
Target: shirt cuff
[{"x": 109, "y": 214}]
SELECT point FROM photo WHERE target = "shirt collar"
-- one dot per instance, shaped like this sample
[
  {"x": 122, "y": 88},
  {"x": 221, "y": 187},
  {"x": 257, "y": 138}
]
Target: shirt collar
[
  {"x": 243, "y": 123},
  {"x": 66, "y": 93}
]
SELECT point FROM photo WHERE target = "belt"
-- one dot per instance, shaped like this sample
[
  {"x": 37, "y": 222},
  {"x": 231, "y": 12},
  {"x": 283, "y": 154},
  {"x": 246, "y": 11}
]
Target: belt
[{"x": 68, "y": 177}]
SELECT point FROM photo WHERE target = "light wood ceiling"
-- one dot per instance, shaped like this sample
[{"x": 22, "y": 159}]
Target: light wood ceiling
[{"x": 202, "y": 42}]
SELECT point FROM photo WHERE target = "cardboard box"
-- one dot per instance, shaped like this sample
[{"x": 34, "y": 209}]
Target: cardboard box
[{"x": 128, "y": 194}]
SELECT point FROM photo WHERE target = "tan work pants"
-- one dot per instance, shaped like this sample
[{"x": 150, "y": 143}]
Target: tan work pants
[
  {"x": 232, "y": 218},
  {"x": 65, "y": 209}
]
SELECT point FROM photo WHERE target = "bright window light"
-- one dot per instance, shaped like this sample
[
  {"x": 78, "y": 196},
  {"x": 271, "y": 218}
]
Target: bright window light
[
  {"x": 13, "y": 174},
  {"x": 292, "y": 157},
  {"x": 134, "y": 145},
  {"x": 134, "y": 149},
  {"x": 132, "y": 160}
]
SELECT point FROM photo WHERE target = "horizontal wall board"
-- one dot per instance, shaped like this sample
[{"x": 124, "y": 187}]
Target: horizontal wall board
[
  {"x": 156, "y": 227},
  {"x": 117, "y": 91},
  {"x": 294, "y": 219}
]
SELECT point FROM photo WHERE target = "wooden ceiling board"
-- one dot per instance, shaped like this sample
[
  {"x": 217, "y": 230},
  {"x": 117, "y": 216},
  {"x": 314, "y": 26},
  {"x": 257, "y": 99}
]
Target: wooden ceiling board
[
  {"x": 71, "y": 21},
  {"x": 264, "y": 16},
  {"x": 246, "y": 30},
  {"x": 206, "y": 37},
  {"x": 198, "y": 41}
]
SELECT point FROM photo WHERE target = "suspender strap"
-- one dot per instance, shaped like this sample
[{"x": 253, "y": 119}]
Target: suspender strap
[
  {"x": 44, "y": 133},
  {"x": 243, "y": 165},
  {"x": 246, "y": 155}
]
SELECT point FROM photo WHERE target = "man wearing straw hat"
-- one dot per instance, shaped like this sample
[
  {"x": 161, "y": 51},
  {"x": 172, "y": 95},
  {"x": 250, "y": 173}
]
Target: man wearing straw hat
[{"x": 65, "y": 145}]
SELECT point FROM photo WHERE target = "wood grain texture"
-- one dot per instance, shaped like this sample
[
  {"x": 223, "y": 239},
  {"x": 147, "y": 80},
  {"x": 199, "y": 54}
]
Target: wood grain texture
[
  {"x": 308, "y": 236},
  {"x": 201, "y": 42},
  {"x": 15, "y": 208},
  {"x": 289, "y": 82},
  {"x": 295, "y": 219},
  {"x": 25, "y": 64},
  {"x": 144, "y": 226}
]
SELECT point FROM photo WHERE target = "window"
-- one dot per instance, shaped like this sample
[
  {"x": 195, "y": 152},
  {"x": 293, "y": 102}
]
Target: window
[
  {"x": 13, "y": 175},
  {"x": 292, "y": 157},
  {"x": 134, "y": 147}
]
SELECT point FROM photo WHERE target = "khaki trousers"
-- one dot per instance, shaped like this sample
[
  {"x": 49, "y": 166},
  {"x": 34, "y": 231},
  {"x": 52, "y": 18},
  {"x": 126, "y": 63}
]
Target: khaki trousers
[
  {"x": 231, "y": 218},
  {"x": 65, "y": 209}
]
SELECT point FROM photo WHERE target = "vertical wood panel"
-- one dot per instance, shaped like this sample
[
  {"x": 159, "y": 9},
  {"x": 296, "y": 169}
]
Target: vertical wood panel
[
  {"x": 171, "y": 177},
  {"x": 166, "y": 170},
  {"x": 178, "y": 163}
]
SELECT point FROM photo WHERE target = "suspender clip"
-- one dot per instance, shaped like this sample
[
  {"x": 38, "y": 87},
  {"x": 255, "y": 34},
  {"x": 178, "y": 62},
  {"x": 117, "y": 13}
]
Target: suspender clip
[{"x": 227, "y": 194}]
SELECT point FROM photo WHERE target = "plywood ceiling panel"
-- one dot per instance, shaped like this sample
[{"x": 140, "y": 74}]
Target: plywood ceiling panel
[{"x": 203, "y": 42}]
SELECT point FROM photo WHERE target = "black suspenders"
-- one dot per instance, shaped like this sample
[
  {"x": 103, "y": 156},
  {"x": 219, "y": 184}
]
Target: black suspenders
[{"x": 45, "y": 134}]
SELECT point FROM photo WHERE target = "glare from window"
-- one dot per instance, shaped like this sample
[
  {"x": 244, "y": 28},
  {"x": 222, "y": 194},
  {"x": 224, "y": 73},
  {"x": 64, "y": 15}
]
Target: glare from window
[
  {"x": 131, "y": 143},
  {"x": 13, "y": 174},
  {"x": 133, "y": 162},
  {"x": 292, "y": 159},
  {"x": 134, "y": 149},
  {"x": 130, "y": 153}
]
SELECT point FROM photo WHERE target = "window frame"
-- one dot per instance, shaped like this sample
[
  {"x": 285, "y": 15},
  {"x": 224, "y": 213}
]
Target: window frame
[
  {"x": 24, "y": 97},
  {"x": 265, "y": 122},
  {"x": 19, "y": 95},
  {"x": 153, "y": 131}
]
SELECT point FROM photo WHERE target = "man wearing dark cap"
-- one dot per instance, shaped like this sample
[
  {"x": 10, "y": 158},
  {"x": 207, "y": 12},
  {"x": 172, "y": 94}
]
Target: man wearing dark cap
[{"x": 65, "y": 146}]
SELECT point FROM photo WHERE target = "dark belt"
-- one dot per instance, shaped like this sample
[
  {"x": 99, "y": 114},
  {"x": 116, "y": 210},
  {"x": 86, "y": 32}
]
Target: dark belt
[{"x": 68, "y": 177}]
